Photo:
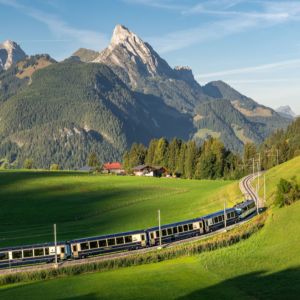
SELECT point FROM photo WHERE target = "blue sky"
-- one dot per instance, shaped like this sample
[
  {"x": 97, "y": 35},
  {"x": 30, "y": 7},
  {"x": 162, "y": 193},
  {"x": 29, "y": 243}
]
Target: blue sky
[{"x": 254, "y": 46}]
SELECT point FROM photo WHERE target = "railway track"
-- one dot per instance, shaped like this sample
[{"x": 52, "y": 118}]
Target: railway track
[{"x": 246, "y": 188}]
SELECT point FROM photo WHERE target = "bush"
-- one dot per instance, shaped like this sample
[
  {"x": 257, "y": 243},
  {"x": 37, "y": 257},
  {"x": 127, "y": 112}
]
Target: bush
[
  {"x": 55, "y": 167},
  {"x": 287, "y": 192},
  {"x": 28, "y": 164}
]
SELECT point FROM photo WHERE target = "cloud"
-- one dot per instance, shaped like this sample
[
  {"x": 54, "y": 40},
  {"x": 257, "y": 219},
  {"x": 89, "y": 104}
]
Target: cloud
[
  {"x": 60, "y": 29},
  {"x": 251, "y": 69},
  {"x": 158, "y": 3},
  {"x": 264, "y": 80},
  {"x": 226, "y": 22}
]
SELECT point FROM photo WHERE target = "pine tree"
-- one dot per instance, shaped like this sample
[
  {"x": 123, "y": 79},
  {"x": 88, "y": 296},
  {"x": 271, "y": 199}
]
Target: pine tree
[
  {"x": 134, "y": 159},
  {"x": 191, "y": 159},
  {"x": 126, "y": 164},
  {"x": 284, "y": 151},
  {"x": 160, "y": 151},
  {"x": 151, "y": 152},
  {"x": 182, "y": 158},
  {"x": 142, "y": 154},
  {"x": 93, "y": 160}
]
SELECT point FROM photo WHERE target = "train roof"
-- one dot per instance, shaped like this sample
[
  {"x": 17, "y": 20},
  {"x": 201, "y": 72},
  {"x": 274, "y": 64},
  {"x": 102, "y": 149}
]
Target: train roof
[
  {"x": 175, "y": 224},
  {"x": 220, "y": 212},
  {"x": 107, "y": 236},
  {"x": 32, "y": 246},
  {"x": 243, "y": 203}
]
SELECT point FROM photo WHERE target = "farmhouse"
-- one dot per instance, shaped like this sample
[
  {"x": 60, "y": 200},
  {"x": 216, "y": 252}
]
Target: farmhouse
[
  {"x": 149, "y": 171},
  {"x": 111, "y": 167}
]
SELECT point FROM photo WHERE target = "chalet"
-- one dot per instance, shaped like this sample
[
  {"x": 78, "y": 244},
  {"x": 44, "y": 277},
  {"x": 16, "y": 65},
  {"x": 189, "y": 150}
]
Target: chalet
[
  {"x": 111, "y": 167},
  {"x": 160, "y": 170},
  {"x": 149, "y": 171}
]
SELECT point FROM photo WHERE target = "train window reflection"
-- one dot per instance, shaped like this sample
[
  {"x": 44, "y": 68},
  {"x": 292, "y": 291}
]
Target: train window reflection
[
  {"x": 185, "y": 228},
  {"x": 84, "y": 246},
  {"x": 164, "y": 232},
  {"x": 216, "y": 220},
  {"x": 93, "y": 245},
  {"x": 175, "y": 230},
  {"x": 190, "y": 226},
  {"x": 74, "y": 248},
  {"x": 157, "y": 233},
  {"x": 46, "y": 251},
  {"x": 3, "y": 255},
  {"x": 120, "y": 240},
  {"x": 169, "y": 231},
  {"x": 180, "y": 229},
  {"x": 232, "y": 215},
  {"x": 38, "y": 252},
  {"x": 111, "y": 242},
  {"x": 17, "y": 254},
  {"x": 102, "y": 243},
  {"x": 152, "y": 235},
  {"x": 28, "y": 253},
  {"x": 200, "y": 224}
]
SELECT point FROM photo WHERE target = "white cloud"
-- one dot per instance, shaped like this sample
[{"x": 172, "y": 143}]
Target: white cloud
[
  {"x": 281, "y": 64},
  {"x": 60, "y": 29}
]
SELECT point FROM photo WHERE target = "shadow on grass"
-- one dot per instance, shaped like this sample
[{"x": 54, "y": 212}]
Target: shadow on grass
[{"x": 259, "y": 285}]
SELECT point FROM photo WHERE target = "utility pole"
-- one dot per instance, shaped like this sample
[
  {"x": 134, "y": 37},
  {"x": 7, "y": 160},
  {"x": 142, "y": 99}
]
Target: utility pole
[
  {"x": 257, "y": 201},
  {"x": 264, "y": 187},
  {"x": 159, "y": 229},
  {"x": 55, "y": 242},
  {"x": 225, "y": 215}
]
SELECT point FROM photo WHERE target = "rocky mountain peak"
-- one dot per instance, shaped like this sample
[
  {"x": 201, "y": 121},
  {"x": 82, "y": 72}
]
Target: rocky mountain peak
[
  {"x": 10, "y": 52},
  {"x": 286, "y": 110},
  {"x": 185, "y": 73}
]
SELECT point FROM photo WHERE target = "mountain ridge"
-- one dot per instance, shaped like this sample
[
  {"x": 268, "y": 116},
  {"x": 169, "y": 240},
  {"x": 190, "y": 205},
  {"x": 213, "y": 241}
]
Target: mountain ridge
[{"x": 10, "y": 52}]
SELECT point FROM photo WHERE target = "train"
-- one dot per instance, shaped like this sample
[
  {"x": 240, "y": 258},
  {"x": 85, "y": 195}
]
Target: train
[{"x": 132, "y": 240}]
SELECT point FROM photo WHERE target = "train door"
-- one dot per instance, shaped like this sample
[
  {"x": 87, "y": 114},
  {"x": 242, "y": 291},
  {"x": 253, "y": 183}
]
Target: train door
[
  {"x": 143, "y": 240},
  {"x": 152, "y": 238},
  {"x": 75, "y": 250},
  {"x": 201, "y": 227},
  {"x": 62, "y": 252}
]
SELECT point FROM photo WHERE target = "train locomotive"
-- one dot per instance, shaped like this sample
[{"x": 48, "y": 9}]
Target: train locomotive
[{"x": 133, "y": 240}]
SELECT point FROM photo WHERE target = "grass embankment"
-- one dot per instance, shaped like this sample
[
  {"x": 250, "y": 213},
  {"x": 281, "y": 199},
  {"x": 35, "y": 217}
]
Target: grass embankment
[
  {"x": 265, "y": 266},
  {"x": 287, "y": 171},
  {"x": 84, "y": 204}
]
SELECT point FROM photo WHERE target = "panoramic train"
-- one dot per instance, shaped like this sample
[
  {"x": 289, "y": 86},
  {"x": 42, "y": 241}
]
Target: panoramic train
[{"x": 133, "y": 240}]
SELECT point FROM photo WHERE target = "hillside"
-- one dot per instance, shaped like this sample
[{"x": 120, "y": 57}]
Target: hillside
[
  {"x": 85, "y": 55},
  {"x": 264, "y": 266}
]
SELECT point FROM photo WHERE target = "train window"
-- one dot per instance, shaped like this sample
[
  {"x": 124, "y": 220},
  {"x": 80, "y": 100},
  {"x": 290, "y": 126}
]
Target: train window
[
  {"x": 220, "y": 219},
  {"x": 175, "y": 230},
  {"x": 17, "y": 254},
  {"x": 190, "y": 226},
  {"x": 93, "y": 245},
  {"x": 164, "y": 232},
  {"x": 38, "y": 252},
  {"x": 128, "y": 239},
  {"x": 27, "y": 253},
  {"x": 232, "y": 215},
  {"x": 180, "y": 229},
  {"x": 251, "y": 205},
  {"x": 157, "y": 233},
  {"x": 84, "y": 246},
  {"x": 3, "y": 255},
  {"x": 111, "y": 242},
  {"x": 200, "y": 224},
  {"x": 185, "y": 228},
  {"x": 62, "y": 250},
  {"x": 216, "y": 220},
  {"x": 120, "y": 240},
  {"x": 46, "y": 251},
  {"x": 228, "y": 216},
  {"x": 169, "y": 231},
  {"x": 206, "y": 223},
  {"x": 143, "y": 237},
  {"x": 102, "y": 243},
  {"x": 151, "y": 235},
  {"x": 74, "y": 248}
]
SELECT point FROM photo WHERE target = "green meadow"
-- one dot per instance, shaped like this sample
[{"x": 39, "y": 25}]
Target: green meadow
[{"x": 83, "y": 204}]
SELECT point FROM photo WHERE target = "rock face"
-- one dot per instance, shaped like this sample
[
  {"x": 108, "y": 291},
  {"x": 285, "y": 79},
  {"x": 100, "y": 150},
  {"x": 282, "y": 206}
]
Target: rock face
[
  {"x": 129, "y": 52},
  {"x": 286, "y": 110},
  {"x": 185, "y": 73},
  {"x": 10, "y": 52}
]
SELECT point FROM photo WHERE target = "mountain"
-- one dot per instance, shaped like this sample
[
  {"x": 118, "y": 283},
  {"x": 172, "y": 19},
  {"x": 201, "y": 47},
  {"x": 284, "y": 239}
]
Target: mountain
[
  {"x": 61, "y": 112},
  {"x": 85, "y": 55},
  {"x": 10, "y": 52},
  {"x": 286, "y": 111}
]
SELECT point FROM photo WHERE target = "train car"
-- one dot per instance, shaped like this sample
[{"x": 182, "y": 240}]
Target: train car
[
  {"x": 82, "y": 248},
  {"x": 175, "y": 231},
  {"x": 245, "y": 208},
  {"x": 216, "y": 221},
  {"x": 33, "y": 254}
]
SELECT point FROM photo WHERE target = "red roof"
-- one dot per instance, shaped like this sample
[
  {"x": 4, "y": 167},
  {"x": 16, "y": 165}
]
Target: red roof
[{"x": 110, "y": 166}]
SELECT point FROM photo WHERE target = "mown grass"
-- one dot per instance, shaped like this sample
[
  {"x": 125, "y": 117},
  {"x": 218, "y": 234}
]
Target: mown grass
[
  {"x": 287, "y": 171},
  {"x": 83, "y": 204}
]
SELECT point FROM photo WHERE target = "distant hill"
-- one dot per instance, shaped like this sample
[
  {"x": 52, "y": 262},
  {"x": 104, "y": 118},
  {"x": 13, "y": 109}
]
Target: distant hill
[
  {"x": 286, "y": 112},
  {"x": 85, "y": 55}
]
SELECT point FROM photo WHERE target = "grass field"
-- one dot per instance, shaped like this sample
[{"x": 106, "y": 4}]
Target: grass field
[
  {"x": 287, "y": 171},
  {"x": 83, "y": 204}
]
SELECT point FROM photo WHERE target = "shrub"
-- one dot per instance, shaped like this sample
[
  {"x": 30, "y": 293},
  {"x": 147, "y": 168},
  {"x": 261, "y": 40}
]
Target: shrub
[
  {"x": 55, "y": 167},
  {"x": 287, "y": 192},
  {"x": 28, "y": 164}
]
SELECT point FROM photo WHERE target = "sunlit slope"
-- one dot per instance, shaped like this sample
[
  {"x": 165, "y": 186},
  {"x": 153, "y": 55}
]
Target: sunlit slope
[
  {"x": 266, "y": 266},
  {"x": 86, "y": 205},
  {"x": 286, "y": 170}
]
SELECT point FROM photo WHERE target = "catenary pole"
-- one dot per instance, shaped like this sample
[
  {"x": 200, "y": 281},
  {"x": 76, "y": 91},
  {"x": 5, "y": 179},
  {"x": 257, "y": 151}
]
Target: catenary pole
[
  {"x": 257, "y": 201},
  {"x": 159, "y": 228},
  {"x": 225, "y": 214},
  {"x": 55, "y": 242}
]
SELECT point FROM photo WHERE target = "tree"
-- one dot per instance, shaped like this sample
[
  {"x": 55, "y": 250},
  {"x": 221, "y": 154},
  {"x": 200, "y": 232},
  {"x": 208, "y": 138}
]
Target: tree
[
  {"x": 126, "y": 164},
  {"x": 284, "y": 151},
  {"x": 182, "y": 158},
  {"x": 134, "y": 159},
  {"x": 191, "y": 159},
  {"x": 151, "y": 151},
  {"x": 28, "y": 164},
  {"x": 160, "y": 151},
  {"x": 93, "y": 160},
  {"x": 55, "y": 167}
]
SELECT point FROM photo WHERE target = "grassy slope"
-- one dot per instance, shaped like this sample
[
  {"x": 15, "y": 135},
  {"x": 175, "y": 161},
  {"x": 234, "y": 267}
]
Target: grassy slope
[
  {"x": 266, "y": 266},
  {"x": 61, "y": 197},
  {"x": 286, "y": 171}
]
